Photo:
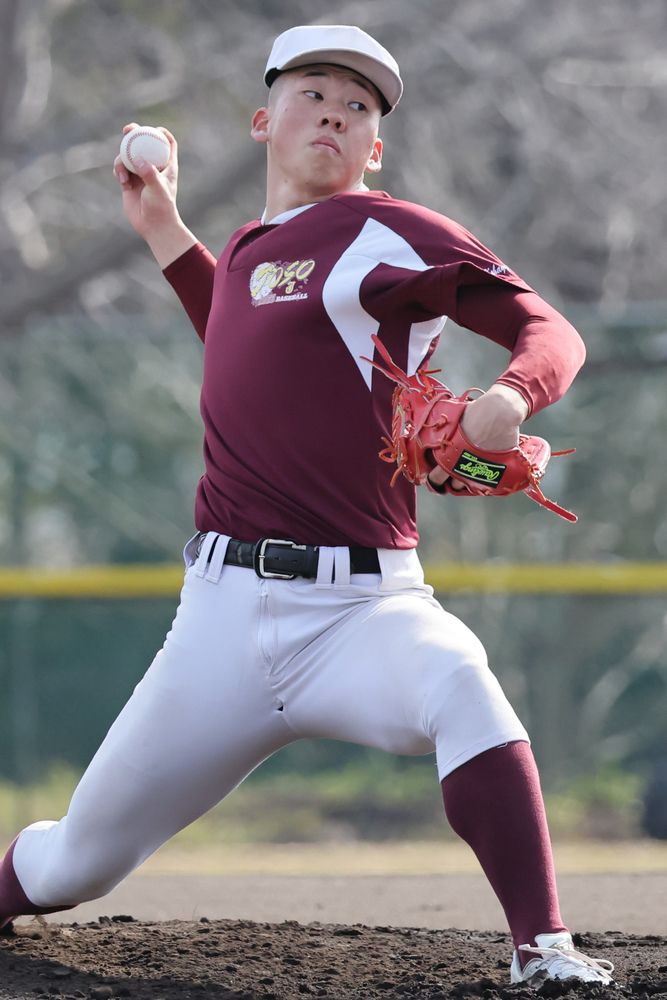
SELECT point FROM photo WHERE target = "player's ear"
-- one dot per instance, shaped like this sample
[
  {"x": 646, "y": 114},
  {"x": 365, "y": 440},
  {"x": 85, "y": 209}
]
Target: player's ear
[
  {"x": 260, "y": 125},
  {"x": 374, "y": 164}
]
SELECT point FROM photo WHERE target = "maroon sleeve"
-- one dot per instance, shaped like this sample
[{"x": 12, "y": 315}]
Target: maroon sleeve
[
  {"x": 547, "y": 351},
  {"x": 191, "y": 277}
]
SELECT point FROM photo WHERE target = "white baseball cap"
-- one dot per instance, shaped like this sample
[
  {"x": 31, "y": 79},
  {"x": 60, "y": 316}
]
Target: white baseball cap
[{"x": 343, "y": 45}]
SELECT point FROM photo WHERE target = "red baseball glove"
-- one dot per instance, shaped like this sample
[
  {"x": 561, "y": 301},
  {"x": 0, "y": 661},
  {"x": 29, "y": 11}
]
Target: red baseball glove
[{"x": 426, "y": 432}]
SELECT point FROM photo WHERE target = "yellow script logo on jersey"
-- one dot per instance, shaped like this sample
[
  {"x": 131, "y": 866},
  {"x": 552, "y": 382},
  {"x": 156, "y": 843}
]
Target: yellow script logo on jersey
[{"x": 276, "y": 282}]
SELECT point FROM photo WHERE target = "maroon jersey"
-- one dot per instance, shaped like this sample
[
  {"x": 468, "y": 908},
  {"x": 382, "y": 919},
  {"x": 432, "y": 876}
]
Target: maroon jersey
[{"x": 294, "y": 417}]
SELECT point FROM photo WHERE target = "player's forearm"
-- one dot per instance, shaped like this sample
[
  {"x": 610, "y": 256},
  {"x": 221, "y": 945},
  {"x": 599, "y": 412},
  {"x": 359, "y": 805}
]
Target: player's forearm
[
  {"x": 191, "y": 276},
  {"x": 547, "y": 352},
  {"x": 546, "y": 357},
  {"x": 169, "y": 242}
]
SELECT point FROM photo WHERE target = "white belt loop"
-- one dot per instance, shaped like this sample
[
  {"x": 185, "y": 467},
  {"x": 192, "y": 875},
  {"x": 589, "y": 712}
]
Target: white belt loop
[
  {"x": 201, "y": 565},
  {"x": 190, "y": 551},
  {"x": 342, "y": 566},
  {"x": 401, "y": 569},
  {"x": 217, "y": 560},
  {"x": 325, "y": 565}
]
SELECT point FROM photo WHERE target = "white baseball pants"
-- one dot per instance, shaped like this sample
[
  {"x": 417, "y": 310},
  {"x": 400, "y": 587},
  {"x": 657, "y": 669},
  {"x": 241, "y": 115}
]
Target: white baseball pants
[{"x": 249, "y": 666}]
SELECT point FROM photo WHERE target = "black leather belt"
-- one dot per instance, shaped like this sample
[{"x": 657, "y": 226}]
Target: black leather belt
[{"x": 282, "y": 559}]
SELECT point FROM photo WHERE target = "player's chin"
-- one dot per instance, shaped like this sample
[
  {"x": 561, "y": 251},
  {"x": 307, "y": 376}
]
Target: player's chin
[{"x": 329, "y": 182}]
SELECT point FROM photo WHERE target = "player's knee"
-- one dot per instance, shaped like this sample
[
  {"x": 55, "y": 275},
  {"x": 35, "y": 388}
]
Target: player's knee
[
  {"x": 80, "y": 877},
  {"x": 467, "y": 697}
]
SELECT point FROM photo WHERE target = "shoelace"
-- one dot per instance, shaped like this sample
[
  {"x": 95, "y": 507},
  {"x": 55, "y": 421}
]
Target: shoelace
[{"x": 567, "y": 952}]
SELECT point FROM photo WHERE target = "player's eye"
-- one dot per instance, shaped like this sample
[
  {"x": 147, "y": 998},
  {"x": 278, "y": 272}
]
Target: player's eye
[
  {"x": 313, "y": 93},
  {"x": 358, "y": 106}
]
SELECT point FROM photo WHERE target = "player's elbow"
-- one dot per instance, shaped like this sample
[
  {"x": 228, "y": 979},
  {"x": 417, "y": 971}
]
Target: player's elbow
[{"x": 577, "y": 349}]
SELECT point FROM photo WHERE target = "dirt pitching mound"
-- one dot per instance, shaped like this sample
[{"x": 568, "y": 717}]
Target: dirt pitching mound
[{"x": 242, "y": 960}]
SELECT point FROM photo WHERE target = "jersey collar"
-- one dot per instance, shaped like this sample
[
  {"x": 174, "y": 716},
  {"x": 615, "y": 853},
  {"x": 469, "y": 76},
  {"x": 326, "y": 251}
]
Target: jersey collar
[{"x": 286, "y": 216}]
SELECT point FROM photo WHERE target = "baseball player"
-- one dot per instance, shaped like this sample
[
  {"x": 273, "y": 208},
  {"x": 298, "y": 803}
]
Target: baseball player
[{"x": 304, "y": 611}]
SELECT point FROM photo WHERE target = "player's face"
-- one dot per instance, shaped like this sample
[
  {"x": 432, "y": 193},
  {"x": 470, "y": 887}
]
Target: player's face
[{"x": 321, "y": 130}]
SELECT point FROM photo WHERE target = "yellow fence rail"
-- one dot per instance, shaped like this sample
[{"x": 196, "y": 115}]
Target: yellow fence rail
[
  {"x": 550, "y": 578},
  {"x": 514, "y": 578}
]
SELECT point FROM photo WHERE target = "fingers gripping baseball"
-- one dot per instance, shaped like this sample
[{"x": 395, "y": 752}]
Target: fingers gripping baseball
[{"x": 149, "y": 193}]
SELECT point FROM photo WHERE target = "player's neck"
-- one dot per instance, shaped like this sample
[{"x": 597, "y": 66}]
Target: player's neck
[
  {"x": 277, "y": 206},
  {"x": 281, "y": 199}
]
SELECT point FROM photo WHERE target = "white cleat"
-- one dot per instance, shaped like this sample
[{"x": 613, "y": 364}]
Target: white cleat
[{"x": 557, "y": 958}]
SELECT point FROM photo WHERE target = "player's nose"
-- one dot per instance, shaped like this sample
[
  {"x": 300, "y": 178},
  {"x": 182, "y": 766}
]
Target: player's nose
[{"x": 333, "y": 118}]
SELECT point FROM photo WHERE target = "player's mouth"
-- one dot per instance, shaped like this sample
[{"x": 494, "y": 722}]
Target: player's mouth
[{"x": 326, "y": 142}]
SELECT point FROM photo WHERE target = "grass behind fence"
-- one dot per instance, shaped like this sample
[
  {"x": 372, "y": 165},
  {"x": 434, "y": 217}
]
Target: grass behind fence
[{"x": 372, "y": 803}]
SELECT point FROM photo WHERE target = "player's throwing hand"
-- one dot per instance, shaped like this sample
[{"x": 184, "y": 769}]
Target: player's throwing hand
[{"x": 149, "y": 200}]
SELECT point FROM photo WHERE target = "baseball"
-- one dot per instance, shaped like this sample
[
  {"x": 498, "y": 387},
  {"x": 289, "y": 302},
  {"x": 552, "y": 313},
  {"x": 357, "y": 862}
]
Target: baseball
[{"x": 146, "y": 143}]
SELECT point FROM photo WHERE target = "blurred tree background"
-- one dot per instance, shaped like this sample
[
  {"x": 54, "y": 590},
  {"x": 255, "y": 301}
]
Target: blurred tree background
[{"x": 538, "y": 126}]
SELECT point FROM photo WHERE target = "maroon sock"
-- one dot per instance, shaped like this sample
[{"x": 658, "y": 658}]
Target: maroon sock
[
  {"x": 13, "y": 900},
  {"x": 494, "y": 802}
]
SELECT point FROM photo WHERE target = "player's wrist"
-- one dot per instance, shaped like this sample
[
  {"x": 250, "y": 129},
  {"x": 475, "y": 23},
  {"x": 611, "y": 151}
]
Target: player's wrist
[
  {"x": 168, "y": 243},
  {"x": 515, "y": 405}
]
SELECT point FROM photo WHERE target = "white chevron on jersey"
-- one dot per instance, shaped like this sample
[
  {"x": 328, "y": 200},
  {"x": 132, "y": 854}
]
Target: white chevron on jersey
[{"x": 375, "y": 244}]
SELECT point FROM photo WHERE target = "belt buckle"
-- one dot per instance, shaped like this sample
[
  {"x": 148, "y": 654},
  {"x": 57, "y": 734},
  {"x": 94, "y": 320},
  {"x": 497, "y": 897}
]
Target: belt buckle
[{"x": 259, "y": 556}]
